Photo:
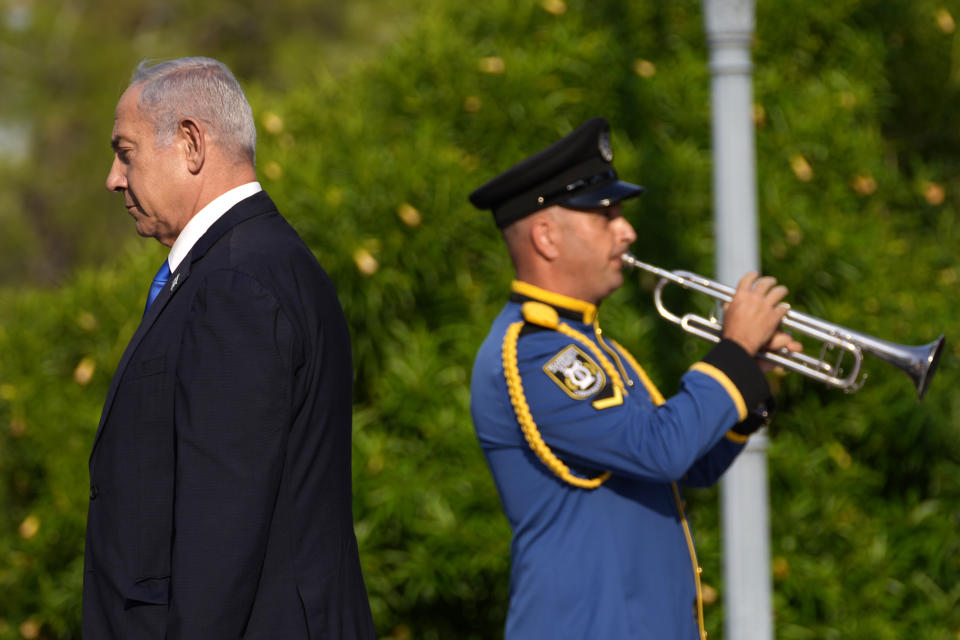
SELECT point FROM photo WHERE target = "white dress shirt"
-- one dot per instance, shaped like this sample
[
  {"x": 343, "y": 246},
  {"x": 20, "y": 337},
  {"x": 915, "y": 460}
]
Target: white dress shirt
[{"x": 204, "y": 219}]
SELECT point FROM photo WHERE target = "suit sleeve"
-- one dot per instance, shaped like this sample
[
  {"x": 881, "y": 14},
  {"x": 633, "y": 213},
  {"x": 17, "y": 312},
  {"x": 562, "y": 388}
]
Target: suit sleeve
[
  {"x": 232, "y": 412},
  {"x": 635, "y": 437}
]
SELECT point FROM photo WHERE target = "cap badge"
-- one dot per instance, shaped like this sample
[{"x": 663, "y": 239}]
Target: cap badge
[{"x": 603, "y": 144}]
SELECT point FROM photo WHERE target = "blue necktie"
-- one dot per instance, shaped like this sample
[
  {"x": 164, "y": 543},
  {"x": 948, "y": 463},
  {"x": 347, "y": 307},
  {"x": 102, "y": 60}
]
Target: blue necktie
[{"x": 158, "y": 281}]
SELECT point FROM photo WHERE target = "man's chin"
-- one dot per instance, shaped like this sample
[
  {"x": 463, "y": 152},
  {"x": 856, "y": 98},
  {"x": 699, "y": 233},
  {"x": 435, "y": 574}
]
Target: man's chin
[
  {"x": 613, "y": 283},
  {"x": 145, "y": 230},
  {"x": 616, "y": 281}
]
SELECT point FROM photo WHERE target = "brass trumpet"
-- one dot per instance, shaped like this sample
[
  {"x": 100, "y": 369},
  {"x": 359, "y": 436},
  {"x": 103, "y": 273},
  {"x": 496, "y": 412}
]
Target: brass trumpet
[{"x": 919, "y": 362}]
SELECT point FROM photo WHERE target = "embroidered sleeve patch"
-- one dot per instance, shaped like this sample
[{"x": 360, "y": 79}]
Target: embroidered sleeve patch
[{"x": 576, "y": 373}]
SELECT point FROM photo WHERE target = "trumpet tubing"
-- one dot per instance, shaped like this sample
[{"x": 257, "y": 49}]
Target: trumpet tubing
[{"x": 918, "y": 362}]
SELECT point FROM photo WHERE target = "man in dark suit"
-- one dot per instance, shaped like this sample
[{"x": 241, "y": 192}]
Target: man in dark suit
[{"x": 220, "y": 487}]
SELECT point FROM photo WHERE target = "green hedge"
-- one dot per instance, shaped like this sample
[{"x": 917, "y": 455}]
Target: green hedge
[{"x": 857, "y": 184}]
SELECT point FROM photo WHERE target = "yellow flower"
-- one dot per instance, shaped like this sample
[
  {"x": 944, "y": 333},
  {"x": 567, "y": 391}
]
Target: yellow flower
[
  {"x": 273, "y": 170},
  {"x": 409, "y": 215},
  {"x": 366, "y": 263},
  {"x": 29, "y": 527},
  {"x": 759, "y": 115},
  {"x": 934, "y": 193},
  {"x": 492, "y": 64},
  {"x": 272, "y": 122},
  {"x": 83, "y": 374},
  {"x": 644, "y": 68},
  {"x": 472, "y": 104},
  {"x": 801, "y": 168},
  {"x": 864, "y": 185},
  {"x": 30, "y": 629},
  {"x": 945, "y": 21},
  {"x": 556, "y": 7}
]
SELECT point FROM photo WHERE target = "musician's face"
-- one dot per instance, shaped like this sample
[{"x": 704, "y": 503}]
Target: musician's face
[{"x": 593, "y": 242}]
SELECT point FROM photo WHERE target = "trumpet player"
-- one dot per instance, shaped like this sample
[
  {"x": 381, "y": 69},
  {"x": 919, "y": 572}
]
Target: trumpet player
[{"x": 588, "y": 456}]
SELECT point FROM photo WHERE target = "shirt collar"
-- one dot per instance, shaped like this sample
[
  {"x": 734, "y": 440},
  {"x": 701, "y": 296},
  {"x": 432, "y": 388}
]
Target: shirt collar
[
  {"x": 567, "y": 307},
  {"x": 204, "y": 219}
]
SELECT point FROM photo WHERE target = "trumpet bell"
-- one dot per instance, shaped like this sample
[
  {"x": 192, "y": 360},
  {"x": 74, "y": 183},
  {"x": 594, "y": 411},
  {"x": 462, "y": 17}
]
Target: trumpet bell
[
  {"x": 918, "y": 362},
  {"x": 923, "y": 364}
]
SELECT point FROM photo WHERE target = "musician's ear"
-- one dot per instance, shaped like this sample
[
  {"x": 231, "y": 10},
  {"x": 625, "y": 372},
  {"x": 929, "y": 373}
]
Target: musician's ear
[{"x": 546, "y": 234}]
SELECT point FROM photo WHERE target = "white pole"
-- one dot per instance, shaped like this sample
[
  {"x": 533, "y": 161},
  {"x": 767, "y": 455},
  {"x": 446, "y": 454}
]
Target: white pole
[{"x": 744, "y": 494}]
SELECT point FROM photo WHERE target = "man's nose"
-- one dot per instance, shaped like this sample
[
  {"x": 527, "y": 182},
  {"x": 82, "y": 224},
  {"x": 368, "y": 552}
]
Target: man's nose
[
  {"x": 117, "y": 178},
  {"x": 625, "y": 230}
]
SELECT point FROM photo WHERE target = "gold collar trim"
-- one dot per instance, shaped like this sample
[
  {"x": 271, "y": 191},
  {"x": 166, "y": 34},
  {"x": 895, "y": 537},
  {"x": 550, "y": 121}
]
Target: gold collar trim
[{"x": 586, "y": 310}]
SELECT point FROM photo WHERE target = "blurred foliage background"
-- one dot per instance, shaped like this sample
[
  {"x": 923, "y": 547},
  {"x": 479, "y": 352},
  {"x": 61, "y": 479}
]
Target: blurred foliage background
[{"x": 376, "y": 120}]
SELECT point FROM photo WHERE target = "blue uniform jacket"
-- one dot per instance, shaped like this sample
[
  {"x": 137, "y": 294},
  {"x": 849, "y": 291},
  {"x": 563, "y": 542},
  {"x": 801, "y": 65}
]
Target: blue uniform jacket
[{"x": 586, "y": 457}]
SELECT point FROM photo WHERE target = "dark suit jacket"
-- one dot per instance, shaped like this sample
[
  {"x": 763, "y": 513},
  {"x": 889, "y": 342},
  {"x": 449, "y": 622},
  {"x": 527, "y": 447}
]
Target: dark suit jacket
[{"x": 220, "y": 489}]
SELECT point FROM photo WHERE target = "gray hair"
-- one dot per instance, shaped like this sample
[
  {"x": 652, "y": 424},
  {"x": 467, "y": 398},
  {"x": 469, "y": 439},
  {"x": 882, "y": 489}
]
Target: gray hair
[{"x": 200, "y": 88}]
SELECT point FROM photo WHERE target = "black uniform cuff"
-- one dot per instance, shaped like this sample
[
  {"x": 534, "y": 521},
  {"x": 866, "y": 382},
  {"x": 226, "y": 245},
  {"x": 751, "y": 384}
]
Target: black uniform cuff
[
  {"x": 759, "y": 417},
  {"x": 743, "y": 371}
]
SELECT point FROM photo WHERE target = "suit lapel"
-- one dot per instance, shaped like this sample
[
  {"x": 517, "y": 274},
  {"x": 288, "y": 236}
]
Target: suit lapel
[
  {"x": 168, "y": 291},
  {"x": 255, "y": 205}
]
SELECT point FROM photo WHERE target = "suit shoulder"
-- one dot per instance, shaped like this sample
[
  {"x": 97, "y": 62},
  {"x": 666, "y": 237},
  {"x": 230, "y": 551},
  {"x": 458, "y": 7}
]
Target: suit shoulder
[{"x": 268, "y": 242}]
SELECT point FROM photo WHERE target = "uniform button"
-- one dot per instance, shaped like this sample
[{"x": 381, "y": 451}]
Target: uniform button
[{"x": 94, "y": 492}]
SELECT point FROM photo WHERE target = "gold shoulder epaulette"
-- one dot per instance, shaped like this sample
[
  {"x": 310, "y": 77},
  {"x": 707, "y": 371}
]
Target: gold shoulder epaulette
[{"x": 542, "y": 315}]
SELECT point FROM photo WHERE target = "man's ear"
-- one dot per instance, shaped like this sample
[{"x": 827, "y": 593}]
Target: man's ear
[
  {"x": 194, "y": 143},
  {"x": 545, "y": 235}
]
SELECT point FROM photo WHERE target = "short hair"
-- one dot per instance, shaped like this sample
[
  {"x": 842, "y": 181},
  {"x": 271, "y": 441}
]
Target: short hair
[{"x": 200, "y": 88}]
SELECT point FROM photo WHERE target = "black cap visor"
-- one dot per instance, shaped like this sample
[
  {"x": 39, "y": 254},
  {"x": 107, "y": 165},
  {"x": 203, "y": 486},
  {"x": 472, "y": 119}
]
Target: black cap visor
[{"x": 603, "y": 195}]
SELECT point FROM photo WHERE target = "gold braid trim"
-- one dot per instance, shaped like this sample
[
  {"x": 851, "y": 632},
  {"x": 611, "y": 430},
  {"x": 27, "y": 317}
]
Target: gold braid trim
[
  {"x": 658, "y": 400},
  {"x": 655, "y": 394},
  {"x": 529, "y": 428},
  {"x": 693, "y": 558}
]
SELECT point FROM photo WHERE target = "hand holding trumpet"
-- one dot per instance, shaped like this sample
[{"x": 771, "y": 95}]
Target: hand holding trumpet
[{"x": 752, "y": 318}]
